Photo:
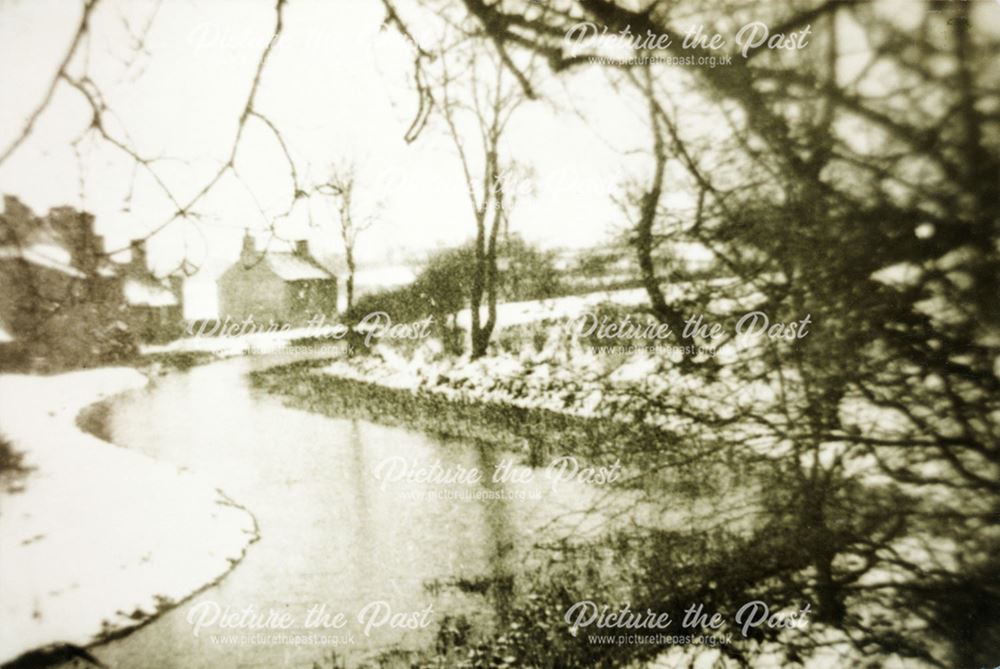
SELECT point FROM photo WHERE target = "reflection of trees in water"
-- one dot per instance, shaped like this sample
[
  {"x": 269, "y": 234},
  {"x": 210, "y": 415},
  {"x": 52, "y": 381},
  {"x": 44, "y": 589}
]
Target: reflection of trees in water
[
  {"x": 500, "y": 534},
  {"x": 363, "y": 542}
]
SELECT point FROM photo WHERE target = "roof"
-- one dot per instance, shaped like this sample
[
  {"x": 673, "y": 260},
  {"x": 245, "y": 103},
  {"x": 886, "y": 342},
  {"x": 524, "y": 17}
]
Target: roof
[
  {"x": 44, "y": 255},
  {"x": 148, "y": 293},
  {"x": 107, "y": 270},
  {"x": 294, "y": 267}
]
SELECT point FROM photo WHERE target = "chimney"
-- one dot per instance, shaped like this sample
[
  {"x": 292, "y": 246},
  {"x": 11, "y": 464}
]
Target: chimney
[
  {"x": 302, "y": 248},
  {"x": 177, "y": 287},
  {"x": 249, "y": 250},
  {"x": 88, "y": 245},
  {"x": 138, "y": 264},
  {"x": 14, "y": 208},
  {"x": 75, "y": 229}
]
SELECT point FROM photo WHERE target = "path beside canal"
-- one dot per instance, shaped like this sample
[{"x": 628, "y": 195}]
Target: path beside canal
[{"x": 97, "y": 539}]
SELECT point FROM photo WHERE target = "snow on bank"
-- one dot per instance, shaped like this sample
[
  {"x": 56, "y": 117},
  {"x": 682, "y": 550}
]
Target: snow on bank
[
  {"x": 100, "y": 538},
  {"x": 510, "y": 314},
  {"x": 243, "y": 342},
  {"x": 564, "y": 376},
  {"x": 237, "y": 339}
]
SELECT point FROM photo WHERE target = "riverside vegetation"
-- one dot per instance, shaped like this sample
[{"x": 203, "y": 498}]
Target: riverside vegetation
[{"x": 715, "y": 521}]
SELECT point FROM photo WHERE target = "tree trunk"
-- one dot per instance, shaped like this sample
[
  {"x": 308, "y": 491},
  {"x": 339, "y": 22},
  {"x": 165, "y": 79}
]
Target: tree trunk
[
  {"x": 350, "y": 278},
  {"x": 662, "y": 311},
  {"x": 478, "y": 345}
]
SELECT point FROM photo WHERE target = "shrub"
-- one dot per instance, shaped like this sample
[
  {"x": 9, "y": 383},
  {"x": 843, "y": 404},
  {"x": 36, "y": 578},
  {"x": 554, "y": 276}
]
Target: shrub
[{"x": 12, "y": 467}]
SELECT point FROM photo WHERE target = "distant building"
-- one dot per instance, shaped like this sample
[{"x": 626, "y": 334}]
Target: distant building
[
  {"x": 63, "y": 299},
  {"x": 280, "y": 286},
  {"x": 37, "y": 280},
  {"x": 155, "y": 309}
]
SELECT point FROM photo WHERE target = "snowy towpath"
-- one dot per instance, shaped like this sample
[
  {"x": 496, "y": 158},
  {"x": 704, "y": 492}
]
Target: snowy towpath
[
  {"x": 332, "y": 532},
  {"x": 99, "y": 538}
]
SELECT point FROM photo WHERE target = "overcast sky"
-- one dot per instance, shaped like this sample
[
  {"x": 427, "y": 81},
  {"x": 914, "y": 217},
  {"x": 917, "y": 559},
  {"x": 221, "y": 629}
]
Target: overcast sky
[
  {"x": 336, "y": 87},
  {"x": 339, "y": 89}
]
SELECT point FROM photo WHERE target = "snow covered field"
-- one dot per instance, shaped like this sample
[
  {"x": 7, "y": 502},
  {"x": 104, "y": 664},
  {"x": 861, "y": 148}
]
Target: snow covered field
[
  {"x": 229, "y": 345},
  {"x": 234, "y": 339},
  {"x": 521, "y": 313},
  {"x": 100, "y": 538}
]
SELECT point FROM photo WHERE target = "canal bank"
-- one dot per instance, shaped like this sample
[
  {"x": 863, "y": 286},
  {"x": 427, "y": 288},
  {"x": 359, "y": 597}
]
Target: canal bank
[
  {"x": 535, "y": 434},
  {"x": 98, "y": 540},
  {"x": 334, "y": 538}
]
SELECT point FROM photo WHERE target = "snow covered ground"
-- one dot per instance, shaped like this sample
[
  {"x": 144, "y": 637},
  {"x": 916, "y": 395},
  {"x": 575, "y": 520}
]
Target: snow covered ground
[
  {"x": 99, "y": 538},
  {"x": 229, "y": 345},
  {"x": 521, "y": 313},
  {"x": 510, "y": 314},
  {"x": 232, "y": 340},
  {"x": 544, "y": 380}
]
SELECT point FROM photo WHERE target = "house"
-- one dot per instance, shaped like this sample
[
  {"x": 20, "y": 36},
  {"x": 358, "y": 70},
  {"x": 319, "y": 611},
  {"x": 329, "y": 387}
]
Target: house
[
  {"x": 155, "y": 308},
  {"x": 280, "y": 286},
  {"x": 57, "y": 292},
  {"x": 63, "y": 301},
  {"x": 37, "y": 281}
]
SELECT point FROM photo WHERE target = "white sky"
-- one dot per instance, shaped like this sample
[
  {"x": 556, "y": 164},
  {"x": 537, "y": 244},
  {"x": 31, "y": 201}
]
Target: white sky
[{"x": 337, "y": 89}]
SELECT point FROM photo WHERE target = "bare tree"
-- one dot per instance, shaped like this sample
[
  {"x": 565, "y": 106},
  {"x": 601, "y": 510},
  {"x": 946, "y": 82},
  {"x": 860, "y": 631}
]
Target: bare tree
[
  {"x": 883, "y": 421},
  {"x": 475, "y": 95},
  {"x": 642, "y": 206},
  {"x": 73, "y": 73},
  {"x": 341, "y": 186}
]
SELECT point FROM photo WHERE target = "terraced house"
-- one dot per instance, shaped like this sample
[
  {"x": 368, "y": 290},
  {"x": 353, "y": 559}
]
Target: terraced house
[{"x": 64, "y": 298}]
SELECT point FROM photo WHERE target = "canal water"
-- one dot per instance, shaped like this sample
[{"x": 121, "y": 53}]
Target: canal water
[{"x": 335, "y": 530}]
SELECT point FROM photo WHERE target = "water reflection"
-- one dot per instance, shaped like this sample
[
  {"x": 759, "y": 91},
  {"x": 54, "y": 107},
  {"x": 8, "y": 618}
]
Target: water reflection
[{"x": 330, "y": 532}]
